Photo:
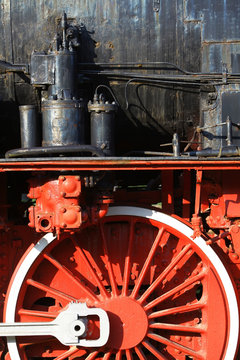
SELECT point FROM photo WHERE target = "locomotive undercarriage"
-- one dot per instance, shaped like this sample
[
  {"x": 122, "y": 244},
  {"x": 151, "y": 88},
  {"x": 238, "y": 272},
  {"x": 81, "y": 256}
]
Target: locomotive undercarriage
[
  {"x": 107, "y": 256},
  {"x": 147, "y": 270}
]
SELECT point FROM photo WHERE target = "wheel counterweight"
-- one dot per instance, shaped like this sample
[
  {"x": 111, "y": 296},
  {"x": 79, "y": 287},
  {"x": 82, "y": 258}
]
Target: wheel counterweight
[{"x": 167, "y": 296}]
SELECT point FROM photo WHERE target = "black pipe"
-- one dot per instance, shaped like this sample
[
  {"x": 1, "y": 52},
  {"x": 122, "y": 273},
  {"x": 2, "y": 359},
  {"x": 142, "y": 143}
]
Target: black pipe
[
  {"x": 223, "y": 151},
  {"x": 13, "y": 67},
  {"x": 54, "y": 150}
]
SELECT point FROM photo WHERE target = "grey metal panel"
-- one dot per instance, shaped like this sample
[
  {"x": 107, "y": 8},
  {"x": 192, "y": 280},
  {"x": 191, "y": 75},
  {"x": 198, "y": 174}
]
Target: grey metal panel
[{"x": 220, "y": 18}]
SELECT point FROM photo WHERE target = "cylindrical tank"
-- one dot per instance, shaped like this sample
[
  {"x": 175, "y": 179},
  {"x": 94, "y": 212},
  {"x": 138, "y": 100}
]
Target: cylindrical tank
[
  {"x": 65, "y": 75},
  {"x": 103, "y": 125},
  {"x": 63, "y": 122},
  {"x": 29, "y": 126}
]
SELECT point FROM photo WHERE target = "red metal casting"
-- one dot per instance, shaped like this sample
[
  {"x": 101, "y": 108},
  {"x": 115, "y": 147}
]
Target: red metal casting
[{"x": 59, "y": 205}]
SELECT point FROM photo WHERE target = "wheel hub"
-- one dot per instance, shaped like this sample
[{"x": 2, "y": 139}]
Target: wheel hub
[{"x": 129, "y": 321}]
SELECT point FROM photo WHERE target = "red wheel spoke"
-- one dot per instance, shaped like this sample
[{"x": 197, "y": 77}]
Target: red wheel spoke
[
  {"x": 70, "y": 275},
  {"x": 140, "y": 353},
  {"x": 166, "y": 271},
  {"x": 119, "y": 355},
  {"x": 177, "y": 310},
  {"x": 178, "y": 288},
  {"x": 147, "y": 263},
  {"x": 129, "y": 354},
  {"x": 91, "y": 269},
  {"x": 174, "y": 327},
  {"x": 108, "y": 263},
  {"x": 36, "y": 314},
  {"x": 107, "y": 355},
  {"x": 127, "y": 265},
  {"x": 92, "y": 355},
  {"x": 153, "y": 350},
  {"x": 38, "y": 340},
  {"x": 73, "y": 350},
  {"x": 54, "y": 292},
  {"x": 173, "y": 344}
]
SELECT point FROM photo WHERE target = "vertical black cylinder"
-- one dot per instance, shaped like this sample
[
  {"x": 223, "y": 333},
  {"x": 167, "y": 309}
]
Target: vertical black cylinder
[
  {"x": 30, "y": 136},
  {"x": 103, "y": 126},
  {"x": 65, "y": 76}
]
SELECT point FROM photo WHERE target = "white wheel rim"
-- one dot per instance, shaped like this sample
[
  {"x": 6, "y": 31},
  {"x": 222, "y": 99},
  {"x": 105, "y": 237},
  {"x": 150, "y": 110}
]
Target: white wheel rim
[
  {"x": 144, "y": 213},
  {"x": 16, "y": 286}
]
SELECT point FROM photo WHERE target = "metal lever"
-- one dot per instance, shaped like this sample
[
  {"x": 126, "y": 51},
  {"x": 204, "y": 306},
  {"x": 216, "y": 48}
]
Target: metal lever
[{"x": 69, "y": 327}]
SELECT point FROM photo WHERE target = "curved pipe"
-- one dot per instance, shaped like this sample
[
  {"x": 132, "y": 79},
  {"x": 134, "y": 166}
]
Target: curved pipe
[{"x": 47, "y": 150}]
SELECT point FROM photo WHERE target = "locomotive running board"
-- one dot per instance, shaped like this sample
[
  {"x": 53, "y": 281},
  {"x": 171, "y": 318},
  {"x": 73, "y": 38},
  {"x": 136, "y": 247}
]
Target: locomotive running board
[{"x": 69, "y": 327}]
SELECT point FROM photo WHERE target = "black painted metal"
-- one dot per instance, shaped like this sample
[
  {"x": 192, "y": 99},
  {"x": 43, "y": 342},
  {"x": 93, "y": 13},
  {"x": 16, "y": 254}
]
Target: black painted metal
[
  {"x": 49, "y": 150},
  {"x": 196, "y": 35},
  {"x": 29, "y": 126},
  {"x": 103, "y": 125},
  {"x": 63, "y": 122}
]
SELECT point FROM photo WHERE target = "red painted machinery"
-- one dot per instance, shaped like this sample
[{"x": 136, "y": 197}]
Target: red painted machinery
[{"x": 116, "y": 244}]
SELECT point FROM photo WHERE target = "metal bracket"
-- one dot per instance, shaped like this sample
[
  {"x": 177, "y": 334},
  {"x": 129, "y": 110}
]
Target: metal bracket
[
  {"x": 156, "y": 5},
  {"x": 69, "y": 327}
]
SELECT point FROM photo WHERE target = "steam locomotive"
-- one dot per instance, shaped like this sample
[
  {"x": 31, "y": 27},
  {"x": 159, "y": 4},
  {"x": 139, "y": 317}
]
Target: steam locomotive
[{"x": 119, "y": 172}]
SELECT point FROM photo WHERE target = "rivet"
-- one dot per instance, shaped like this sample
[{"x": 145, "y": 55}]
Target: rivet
[
  {"x": 63, "y": 225},
  {"x": 63, "y": 210},
  {"x": 62, "y": 193},
  {"x": 178, "y": 338},
  {"x": 61, "y": 178}
]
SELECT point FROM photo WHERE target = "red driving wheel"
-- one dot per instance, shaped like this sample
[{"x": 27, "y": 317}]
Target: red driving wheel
[{"x": 167, "y": 296}]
